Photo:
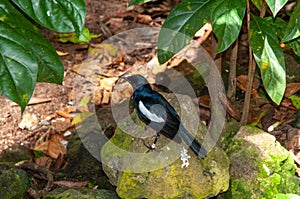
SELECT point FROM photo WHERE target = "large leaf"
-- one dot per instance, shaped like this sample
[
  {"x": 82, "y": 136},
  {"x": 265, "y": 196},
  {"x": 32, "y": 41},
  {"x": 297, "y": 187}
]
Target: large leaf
[
  {"x": 18, "y": 66},
  {"x": 257, "y": 3},
  {"x": 293, "y": 28},
  {"x": 276, "y": 5},
  {"x": 269, "y": 57},
  {"x": 134, "y": 2},
  {"x": 280, "y": 26},
  {"x": 227, "y": 17},
  {"x": 50, "y": 67},
  {"x": 295, "y": 45},
  {"x": 58, "y": 15},
  {"x": 181, "y": 25},
  {"x": 25, "y": 56}
]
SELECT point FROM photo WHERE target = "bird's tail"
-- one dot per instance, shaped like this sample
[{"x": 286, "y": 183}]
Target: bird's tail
[{"x": 191, "y": 141}]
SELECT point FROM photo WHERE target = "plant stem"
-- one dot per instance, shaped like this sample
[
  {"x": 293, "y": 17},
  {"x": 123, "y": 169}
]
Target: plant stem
[
  {"x": 216, "y": 57},
  {"x": 251, "y": 71},
  {"x": 232, "y": 72},
  {"x": 252, "y": 66}
]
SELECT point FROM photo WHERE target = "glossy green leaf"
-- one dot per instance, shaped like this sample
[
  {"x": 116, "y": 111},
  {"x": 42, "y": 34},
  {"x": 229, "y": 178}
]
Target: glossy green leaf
[
  {"x": 84, "y": 38},
  {"x": 287, "y": 196},
  {"x": 280, "y": 27},
  {"x": 295, "y": 45},
  {"x": 295, "y": 101},
  {"x": 26, "y": 57},
  {"x": 276, "y": 5},
  {"x": 18, "y": 66},
  {"x": 227, "y": 17},
  {"x": 269, "y": 57},
  {"x": 181, "y": 25},
  {"x": 257, "y": 3},
  {"x": 134, "y": 2},
  {"x": 50, "y": 67},
  {"x": 58, "y": 15},
  {"x": 293, "y": 28}
]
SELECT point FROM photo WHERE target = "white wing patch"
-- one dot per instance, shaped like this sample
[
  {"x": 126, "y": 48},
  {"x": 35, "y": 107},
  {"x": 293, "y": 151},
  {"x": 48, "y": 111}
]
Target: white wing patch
[{"x": 152, "y": 116}]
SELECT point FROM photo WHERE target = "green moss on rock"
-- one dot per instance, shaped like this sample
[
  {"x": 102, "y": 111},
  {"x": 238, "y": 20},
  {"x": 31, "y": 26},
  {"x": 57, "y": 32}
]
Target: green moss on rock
[
  {"x": 165, "y": 178},
  {"x": 260, "y": 166},
  {"x": 159, "y": 174},
  {"x": 14, "y": 183},
  {"x": 202, "y": 178}
]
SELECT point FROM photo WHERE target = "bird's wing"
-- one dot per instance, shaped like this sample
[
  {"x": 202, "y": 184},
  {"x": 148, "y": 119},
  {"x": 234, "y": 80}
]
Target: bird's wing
[{"x": 154, "y": 112}]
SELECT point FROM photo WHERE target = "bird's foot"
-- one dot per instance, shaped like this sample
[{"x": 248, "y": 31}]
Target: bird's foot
[{"x": 151, "y": 147}]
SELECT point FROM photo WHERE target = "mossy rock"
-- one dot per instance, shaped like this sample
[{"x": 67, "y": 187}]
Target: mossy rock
[
  {"x": 16, "y": 154},
  {"x": 160, "y": 174},
  {"x": 14, "y": 183},
  {"x": 260, "y": 166},
  {"x": 82, "y": 165}
]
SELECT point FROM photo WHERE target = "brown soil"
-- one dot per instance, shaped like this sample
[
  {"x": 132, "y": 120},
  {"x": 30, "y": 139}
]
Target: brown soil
[{"x": 56, "y": 96}]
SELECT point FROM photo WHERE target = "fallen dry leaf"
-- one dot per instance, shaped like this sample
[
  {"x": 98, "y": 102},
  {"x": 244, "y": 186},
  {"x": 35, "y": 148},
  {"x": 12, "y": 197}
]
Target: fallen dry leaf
[
  {"x": 56, "y": 147},
  {"x": 242, "y": 84},
  {"x": 70, "y": 184},
  {"x": 203, "y": 33},
  {"x": 291, "y": 89},
  {"x": 52, "y": 147},
  {"x": 145, "y": 19},
  {"x": 44, "y": 161},
  {"x": 61, "y": 124},
  {"x": 66, "y": 112},
  {"x": 287, "y": 103}
]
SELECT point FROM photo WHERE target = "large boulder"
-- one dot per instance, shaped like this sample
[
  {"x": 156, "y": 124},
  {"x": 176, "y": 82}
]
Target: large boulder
[
  {"x": 260, "y": 166},
  {"x": 162, "y": 173}
]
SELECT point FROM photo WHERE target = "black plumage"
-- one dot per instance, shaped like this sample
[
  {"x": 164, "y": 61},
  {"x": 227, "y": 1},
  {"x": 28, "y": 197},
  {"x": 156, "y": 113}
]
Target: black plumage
[{"x": 156, "y": 112}]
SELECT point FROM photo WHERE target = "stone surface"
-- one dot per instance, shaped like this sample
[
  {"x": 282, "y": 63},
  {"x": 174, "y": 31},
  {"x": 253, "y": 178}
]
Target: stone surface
[
  {"x": 82, "y": 165},
  {"x": 159, "y": 174},
  {"x": 260, "y": 166},
  {"x": 16, "y": 154},
  {"x": 14, "y": 183}
]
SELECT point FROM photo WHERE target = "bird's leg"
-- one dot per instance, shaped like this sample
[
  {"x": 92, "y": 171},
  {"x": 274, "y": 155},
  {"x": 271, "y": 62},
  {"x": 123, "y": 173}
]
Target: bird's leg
[
  {"x": 155, "y": 140},
  {"x": 152, "y": 147}
]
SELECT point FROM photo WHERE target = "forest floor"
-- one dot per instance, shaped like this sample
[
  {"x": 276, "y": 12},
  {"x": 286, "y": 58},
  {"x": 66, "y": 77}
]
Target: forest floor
[{"x": 51, "y": 110}]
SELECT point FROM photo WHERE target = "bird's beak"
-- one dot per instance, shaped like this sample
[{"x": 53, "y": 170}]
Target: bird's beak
[{"x": 124, "y": 77}]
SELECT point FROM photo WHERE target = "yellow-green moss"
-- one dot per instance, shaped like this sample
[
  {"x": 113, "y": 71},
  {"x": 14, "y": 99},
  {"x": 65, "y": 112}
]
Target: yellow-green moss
[
  {"x": 201, "y": 179},
  {"x": 260, "y": 167}
]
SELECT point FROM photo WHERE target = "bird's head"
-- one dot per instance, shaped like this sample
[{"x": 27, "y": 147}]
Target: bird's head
[{"x": 136, "y": 81}]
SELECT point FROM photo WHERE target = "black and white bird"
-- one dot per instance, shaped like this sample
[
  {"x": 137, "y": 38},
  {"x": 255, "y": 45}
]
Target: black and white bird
[{"x": 156, "y": 112}]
